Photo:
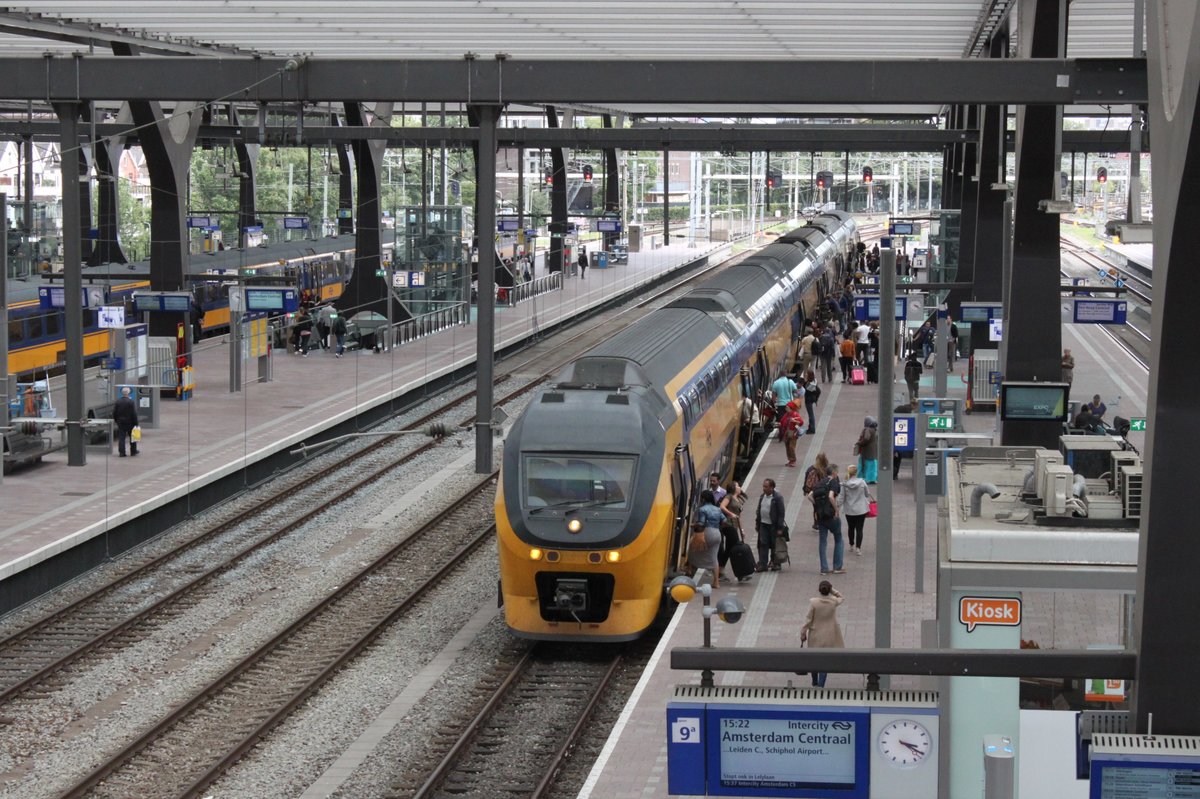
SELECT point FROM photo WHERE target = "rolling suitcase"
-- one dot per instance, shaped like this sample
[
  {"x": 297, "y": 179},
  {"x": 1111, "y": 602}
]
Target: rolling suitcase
[
  {"x": 873, "y": 371},
  {"x": 858, "y": 376},
  {"x": 741, "y": 558}
]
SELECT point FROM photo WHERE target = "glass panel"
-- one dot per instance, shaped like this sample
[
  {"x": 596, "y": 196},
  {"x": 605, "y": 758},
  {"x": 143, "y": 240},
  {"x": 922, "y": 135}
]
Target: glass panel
[{"x": 577, "y": 481}]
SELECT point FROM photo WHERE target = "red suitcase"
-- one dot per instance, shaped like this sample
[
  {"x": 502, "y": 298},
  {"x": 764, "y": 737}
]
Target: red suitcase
[{"x": 858, "y": 376}]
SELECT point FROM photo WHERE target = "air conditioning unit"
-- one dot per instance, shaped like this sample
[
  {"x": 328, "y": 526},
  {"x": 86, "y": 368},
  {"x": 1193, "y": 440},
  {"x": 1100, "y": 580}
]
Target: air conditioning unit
[
  {"x": 1087, "y": 454},
  {"x": 1119, "y": 459},
  {"x": 1059, "y": 481},
  {"x": 1043, "y": 458},
  {"x": 1129, "y": 487},
  {"x": 1104, "y": 506}
]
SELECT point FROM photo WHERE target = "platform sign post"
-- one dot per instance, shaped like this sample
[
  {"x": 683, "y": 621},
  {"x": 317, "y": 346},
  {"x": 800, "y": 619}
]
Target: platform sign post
[
  {"x": 685, "y": 749},
  {"x": 919, "y": 458}
]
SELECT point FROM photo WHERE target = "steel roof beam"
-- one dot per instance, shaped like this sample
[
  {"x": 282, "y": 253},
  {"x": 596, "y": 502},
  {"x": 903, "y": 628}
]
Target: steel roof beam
[
  {"x": 892, "y": 82},
  {"x": 68, "y": 30}
]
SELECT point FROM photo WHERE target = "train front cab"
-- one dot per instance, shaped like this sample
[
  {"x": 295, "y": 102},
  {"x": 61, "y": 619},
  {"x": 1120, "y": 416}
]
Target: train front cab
[{"x": 584, "y": 537}]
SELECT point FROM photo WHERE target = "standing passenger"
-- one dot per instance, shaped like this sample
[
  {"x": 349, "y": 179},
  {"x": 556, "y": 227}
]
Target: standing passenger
[
  {"x": 828, "y": 348},
  {"x": 821, "y": 629},
  {"x": 338, "y": 326},
  {"x": 829, "y": 521},
  {"x": 856, "y": 503},
  {"x": 126, "y": 418},
  {"x": 710, "y": 516},
  {"x": 812, "y": 393},
  {"x": 867, "y": 449},
  {"x": 1068, "y": 367},
  {"x": 582, "y": 262},
  {"x": 784, "y": 389},
  {"x": 846, "y": 358},
  {"x": 768, "y": 521}
]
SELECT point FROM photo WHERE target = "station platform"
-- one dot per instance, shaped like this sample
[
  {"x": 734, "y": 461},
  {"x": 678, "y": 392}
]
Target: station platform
[
  {"x": 633, "y": 762},
  {"x": 1141, "y": 255},
  {"x": 59, "y": 521}
]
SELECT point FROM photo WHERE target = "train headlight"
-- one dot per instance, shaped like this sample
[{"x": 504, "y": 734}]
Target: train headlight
[
  {"x": 614, "y": 556},
  {"x": 535, "y": 554},
  {"x": 574, "y": 526}
]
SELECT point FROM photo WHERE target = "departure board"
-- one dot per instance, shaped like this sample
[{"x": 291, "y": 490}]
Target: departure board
[{"x": 1145, "y": 781}]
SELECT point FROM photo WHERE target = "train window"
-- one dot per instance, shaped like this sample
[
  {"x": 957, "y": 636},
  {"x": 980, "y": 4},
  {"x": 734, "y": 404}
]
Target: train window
[
  {"x": 566, "y": 481},
  {"x": 16, "y": 331},
  {"x": 34, "y": 327},
  {"x": 53, "y": 324}
]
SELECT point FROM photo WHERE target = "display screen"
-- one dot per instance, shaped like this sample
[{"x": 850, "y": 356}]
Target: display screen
[
  {"x": 146, "y": 302},
  {"x": 1144, "y": 781},
  {"x": 263, "y": 300},
  {"x": 975, "y": 313},
  {"x": 1033, "y": 401},
  {"x": 787, "y": 753},
  {"x": 608, "y": 226},
  {"x": 873, "y": 307},
  {"x": 902, "y": 229},
  {"x": 176, "y": 302}
]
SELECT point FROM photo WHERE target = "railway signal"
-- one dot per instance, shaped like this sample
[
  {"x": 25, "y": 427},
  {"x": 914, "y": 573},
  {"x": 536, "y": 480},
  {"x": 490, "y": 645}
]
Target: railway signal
[
  {"x": 774, "y": 178},
  {"x": 549, "y": 179},
  {"x": 868, "y": 174},
  {"x": 1101, "y": 175},
  {"x": 587, "y": 173}
]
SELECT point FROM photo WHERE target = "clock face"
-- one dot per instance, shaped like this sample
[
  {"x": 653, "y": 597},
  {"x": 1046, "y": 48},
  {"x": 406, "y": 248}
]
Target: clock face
[{"x": 905, "y": 743}]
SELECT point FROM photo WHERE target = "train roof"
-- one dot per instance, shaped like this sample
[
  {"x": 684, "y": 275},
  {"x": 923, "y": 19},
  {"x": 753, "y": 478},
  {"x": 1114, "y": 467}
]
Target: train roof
[
  {"x": 662, "y": 344},
  {"x": 20, "y": 290}
]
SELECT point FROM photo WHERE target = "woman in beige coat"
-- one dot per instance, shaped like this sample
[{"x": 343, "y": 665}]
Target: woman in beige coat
[{"x": 821, "y": 627}]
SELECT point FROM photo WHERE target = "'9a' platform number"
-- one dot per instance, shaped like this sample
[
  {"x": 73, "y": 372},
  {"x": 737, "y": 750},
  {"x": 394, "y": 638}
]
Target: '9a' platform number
[{"x": 685, "y": 731}]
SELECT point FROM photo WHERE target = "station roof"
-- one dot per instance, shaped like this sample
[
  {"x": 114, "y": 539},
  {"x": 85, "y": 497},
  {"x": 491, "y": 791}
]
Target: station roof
[{"x": 580, "y": 30}]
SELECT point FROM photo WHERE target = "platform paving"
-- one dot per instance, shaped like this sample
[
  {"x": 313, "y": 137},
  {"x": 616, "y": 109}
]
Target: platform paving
[
  {"x": 634, "y": 760},
  {"x": 50, "y": 508}
]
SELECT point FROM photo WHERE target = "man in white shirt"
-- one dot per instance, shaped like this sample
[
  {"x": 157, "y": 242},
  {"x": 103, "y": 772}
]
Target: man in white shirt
[{"x": 862, "y": 343}]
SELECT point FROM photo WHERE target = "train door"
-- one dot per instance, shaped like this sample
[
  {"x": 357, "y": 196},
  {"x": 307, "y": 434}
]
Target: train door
[{"x": 683, "y": 485}]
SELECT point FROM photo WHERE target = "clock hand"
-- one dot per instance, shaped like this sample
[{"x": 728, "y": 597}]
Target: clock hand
[{"x": 916, "y": 750}]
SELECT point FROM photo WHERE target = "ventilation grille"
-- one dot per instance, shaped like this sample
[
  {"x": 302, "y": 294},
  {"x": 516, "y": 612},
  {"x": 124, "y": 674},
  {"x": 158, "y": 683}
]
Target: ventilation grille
[
  {"x": 1101, "y": 722},
  {"x": 820, "y": 696},
  {"x": 552, "y": 397},
  {"x": 1107, "y": 743},
  {"x": 1129, "y": 485},
  {"x": 617, "y": 399}
]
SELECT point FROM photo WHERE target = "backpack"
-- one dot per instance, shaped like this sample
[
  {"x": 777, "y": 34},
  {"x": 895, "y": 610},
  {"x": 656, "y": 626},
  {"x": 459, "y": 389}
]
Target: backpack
[
  {"x": 815, "y": 347},
  {"x": 912, "y": 371},
  {"x": 823, "y": 501},
  {"x": 826, "y": 344},
  {"x": 811, "y": 479},
  {"x": 812, "y": 393}
]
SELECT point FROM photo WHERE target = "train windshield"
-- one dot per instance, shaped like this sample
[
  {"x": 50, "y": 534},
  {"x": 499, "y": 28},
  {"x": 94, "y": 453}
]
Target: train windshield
[{"x": 573, "y": 481}]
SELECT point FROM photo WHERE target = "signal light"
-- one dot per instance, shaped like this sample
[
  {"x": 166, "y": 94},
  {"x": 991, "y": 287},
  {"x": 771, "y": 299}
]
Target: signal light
[
  {"x": 868, "y": 174},
  {"x": 774, "y": 178},
  {"x": 820, "y": 182},
  {"x": 1101, "y": 175},
  {"x": 549, "y": 177},
  {"x": 587, "y": 173}
]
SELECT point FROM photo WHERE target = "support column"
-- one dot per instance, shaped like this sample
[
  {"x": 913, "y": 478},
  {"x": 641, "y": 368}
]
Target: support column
[
  {"x": 68, "y": 117},
  {"x": 366, "y": 291},
  {"x": 85, "y": 202},
  {"x": 345, "y": 224},
  {"x": 1168, "y": 645},
  {"x": 990, "y": 208},
  {"x": 107, "y": 249},
  {"x": 1033, "y": 326},
  {"x": 666, "y": 184},
  {"x": 485, "y": 223},
  {"x": 612, "y": 185},
  {"x": 969, "y": 187},
  {"x": 558, "y": 199},
  {"x": 247, "y": 158}
]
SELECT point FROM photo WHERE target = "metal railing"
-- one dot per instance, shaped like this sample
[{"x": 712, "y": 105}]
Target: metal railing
[
  {"x": 524, "y": 291},
  {"x": 427, "y": 324}
]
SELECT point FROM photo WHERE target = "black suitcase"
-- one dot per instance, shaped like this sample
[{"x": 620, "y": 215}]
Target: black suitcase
[
  {"x": 741, "y": 558},
  {"x": 872, "y": 371}
]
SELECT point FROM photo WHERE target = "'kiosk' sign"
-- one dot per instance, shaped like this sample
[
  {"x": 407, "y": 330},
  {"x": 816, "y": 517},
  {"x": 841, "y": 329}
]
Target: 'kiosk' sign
[{"x": 993, "y": 611}]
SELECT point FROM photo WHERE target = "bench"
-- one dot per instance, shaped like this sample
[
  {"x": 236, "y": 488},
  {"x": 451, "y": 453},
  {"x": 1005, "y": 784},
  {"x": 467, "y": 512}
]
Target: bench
[{"x": 21, "y": 447}]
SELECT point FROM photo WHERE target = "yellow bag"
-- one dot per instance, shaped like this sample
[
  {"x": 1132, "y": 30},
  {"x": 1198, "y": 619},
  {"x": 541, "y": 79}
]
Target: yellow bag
[{"x": 136, "y": 434}]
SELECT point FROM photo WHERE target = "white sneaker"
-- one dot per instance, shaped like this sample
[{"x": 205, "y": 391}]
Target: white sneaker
[{"x": 858, "y": 550}]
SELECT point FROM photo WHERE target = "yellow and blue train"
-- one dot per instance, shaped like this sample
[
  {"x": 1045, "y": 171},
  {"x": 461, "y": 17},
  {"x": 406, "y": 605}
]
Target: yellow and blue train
[
  {"x": 601, "y": 472},
  {"x": 319, "y": 269}
]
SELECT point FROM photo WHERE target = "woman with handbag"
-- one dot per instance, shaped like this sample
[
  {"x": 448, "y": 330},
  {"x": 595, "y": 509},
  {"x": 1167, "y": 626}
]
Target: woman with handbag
[
  {"x": 705, "y": 542},
  {"x": 790, "y": 427},
  {"x": 731, "y": 525},
  {"x": 856, "y": 506}
]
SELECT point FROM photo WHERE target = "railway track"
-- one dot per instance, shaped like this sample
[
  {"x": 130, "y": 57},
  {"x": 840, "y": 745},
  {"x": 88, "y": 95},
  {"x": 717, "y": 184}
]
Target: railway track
[
  {"x": 531, "y": 714},
  {"x": 1130, "y": 337},
  {"x": 222, "y": 721}
]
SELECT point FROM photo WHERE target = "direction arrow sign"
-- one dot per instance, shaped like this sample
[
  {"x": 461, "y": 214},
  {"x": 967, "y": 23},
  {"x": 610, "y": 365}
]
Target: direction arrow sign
[{"x": 939, "y": 421}]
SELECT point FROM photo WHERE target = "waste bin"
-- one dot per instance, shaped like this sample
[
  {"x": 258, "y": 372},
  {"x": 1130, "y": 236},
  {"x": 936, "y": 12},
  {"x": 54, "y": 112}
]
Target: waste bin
[
  {"x": 599, "y": 259},
  {"x": 145, "y": 399}
]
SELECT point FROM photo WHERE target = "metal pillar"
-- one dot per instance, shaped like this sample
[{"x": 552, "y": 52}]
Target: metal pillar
[
  {"x": 68, "y": 117},
  {"x": 941, "y": 359},
  {"x": 1034, "y": 328},
  {"x": 990, "y": 201},
  {"x": 612, "y": 185},
  {"x": 846, "y": 184},
  {"x": 107, "y": 249},
  {"x": 27, "y": 223},
  {"x": 969, "y": 187},
  {"x": 247, "y": 158},
  {"x": 485, "y": 223},
  {"x": 84, "y": 165},
  {"x": 666, "y": 184},
  {"x": 1166, "y": 636},
  {"x": 558, "y": 201},
  {"x": 345, "y": 224},
  {"x": 4, "y": 382},
  {"x": 885, "y": 487},
  {"x": 1133, "y": 207},
  {"x": 365, "y": 290}
]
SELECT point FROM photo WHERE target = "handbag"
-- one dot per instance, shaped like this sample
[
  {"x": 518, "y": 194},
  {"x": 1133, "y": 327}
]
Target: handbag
[
  {"x": 697, "y": 542},
  {"x": 785, "y": 533},
  {"x": 872, "y": 509},
  {"x": 135, "y": 434}
]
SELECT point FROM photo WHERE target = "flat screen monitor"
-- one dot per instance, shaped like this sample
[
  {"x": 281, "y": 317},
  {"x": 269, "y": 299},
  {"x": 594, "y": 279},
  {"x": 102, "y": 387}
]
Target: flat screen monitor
[
  {"x": 146, "y": 302},
  {"x": 176, "y": 302},
  {"x": 975, "y": 313},
  {"x": 902, "y": 229},
  {"x": 264, "y": 300},
  {"x": 1034, "y": 402}
]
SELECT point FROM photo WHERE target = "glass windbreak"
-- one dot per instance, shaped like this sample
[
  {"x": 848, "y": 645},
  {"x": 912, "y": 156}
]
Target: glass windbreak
[{"x": 571, "y": 481}]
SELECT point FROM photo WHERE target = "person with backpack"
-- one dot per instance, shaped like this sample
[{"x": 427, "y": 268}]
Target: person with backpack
[
  {"x": 828, "y": 350},
  {"x": 912, "y": 376},
  {"x": 338, "y": 328},
  {"x": 813, "y": 475},
  {"x": 829, "y": 521},
  {"x": 810, "y": 348},
  {"x": 867, "y": 450},
  {"x": 784, "y": 388},
  {"x": 812, "y": 393}
]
